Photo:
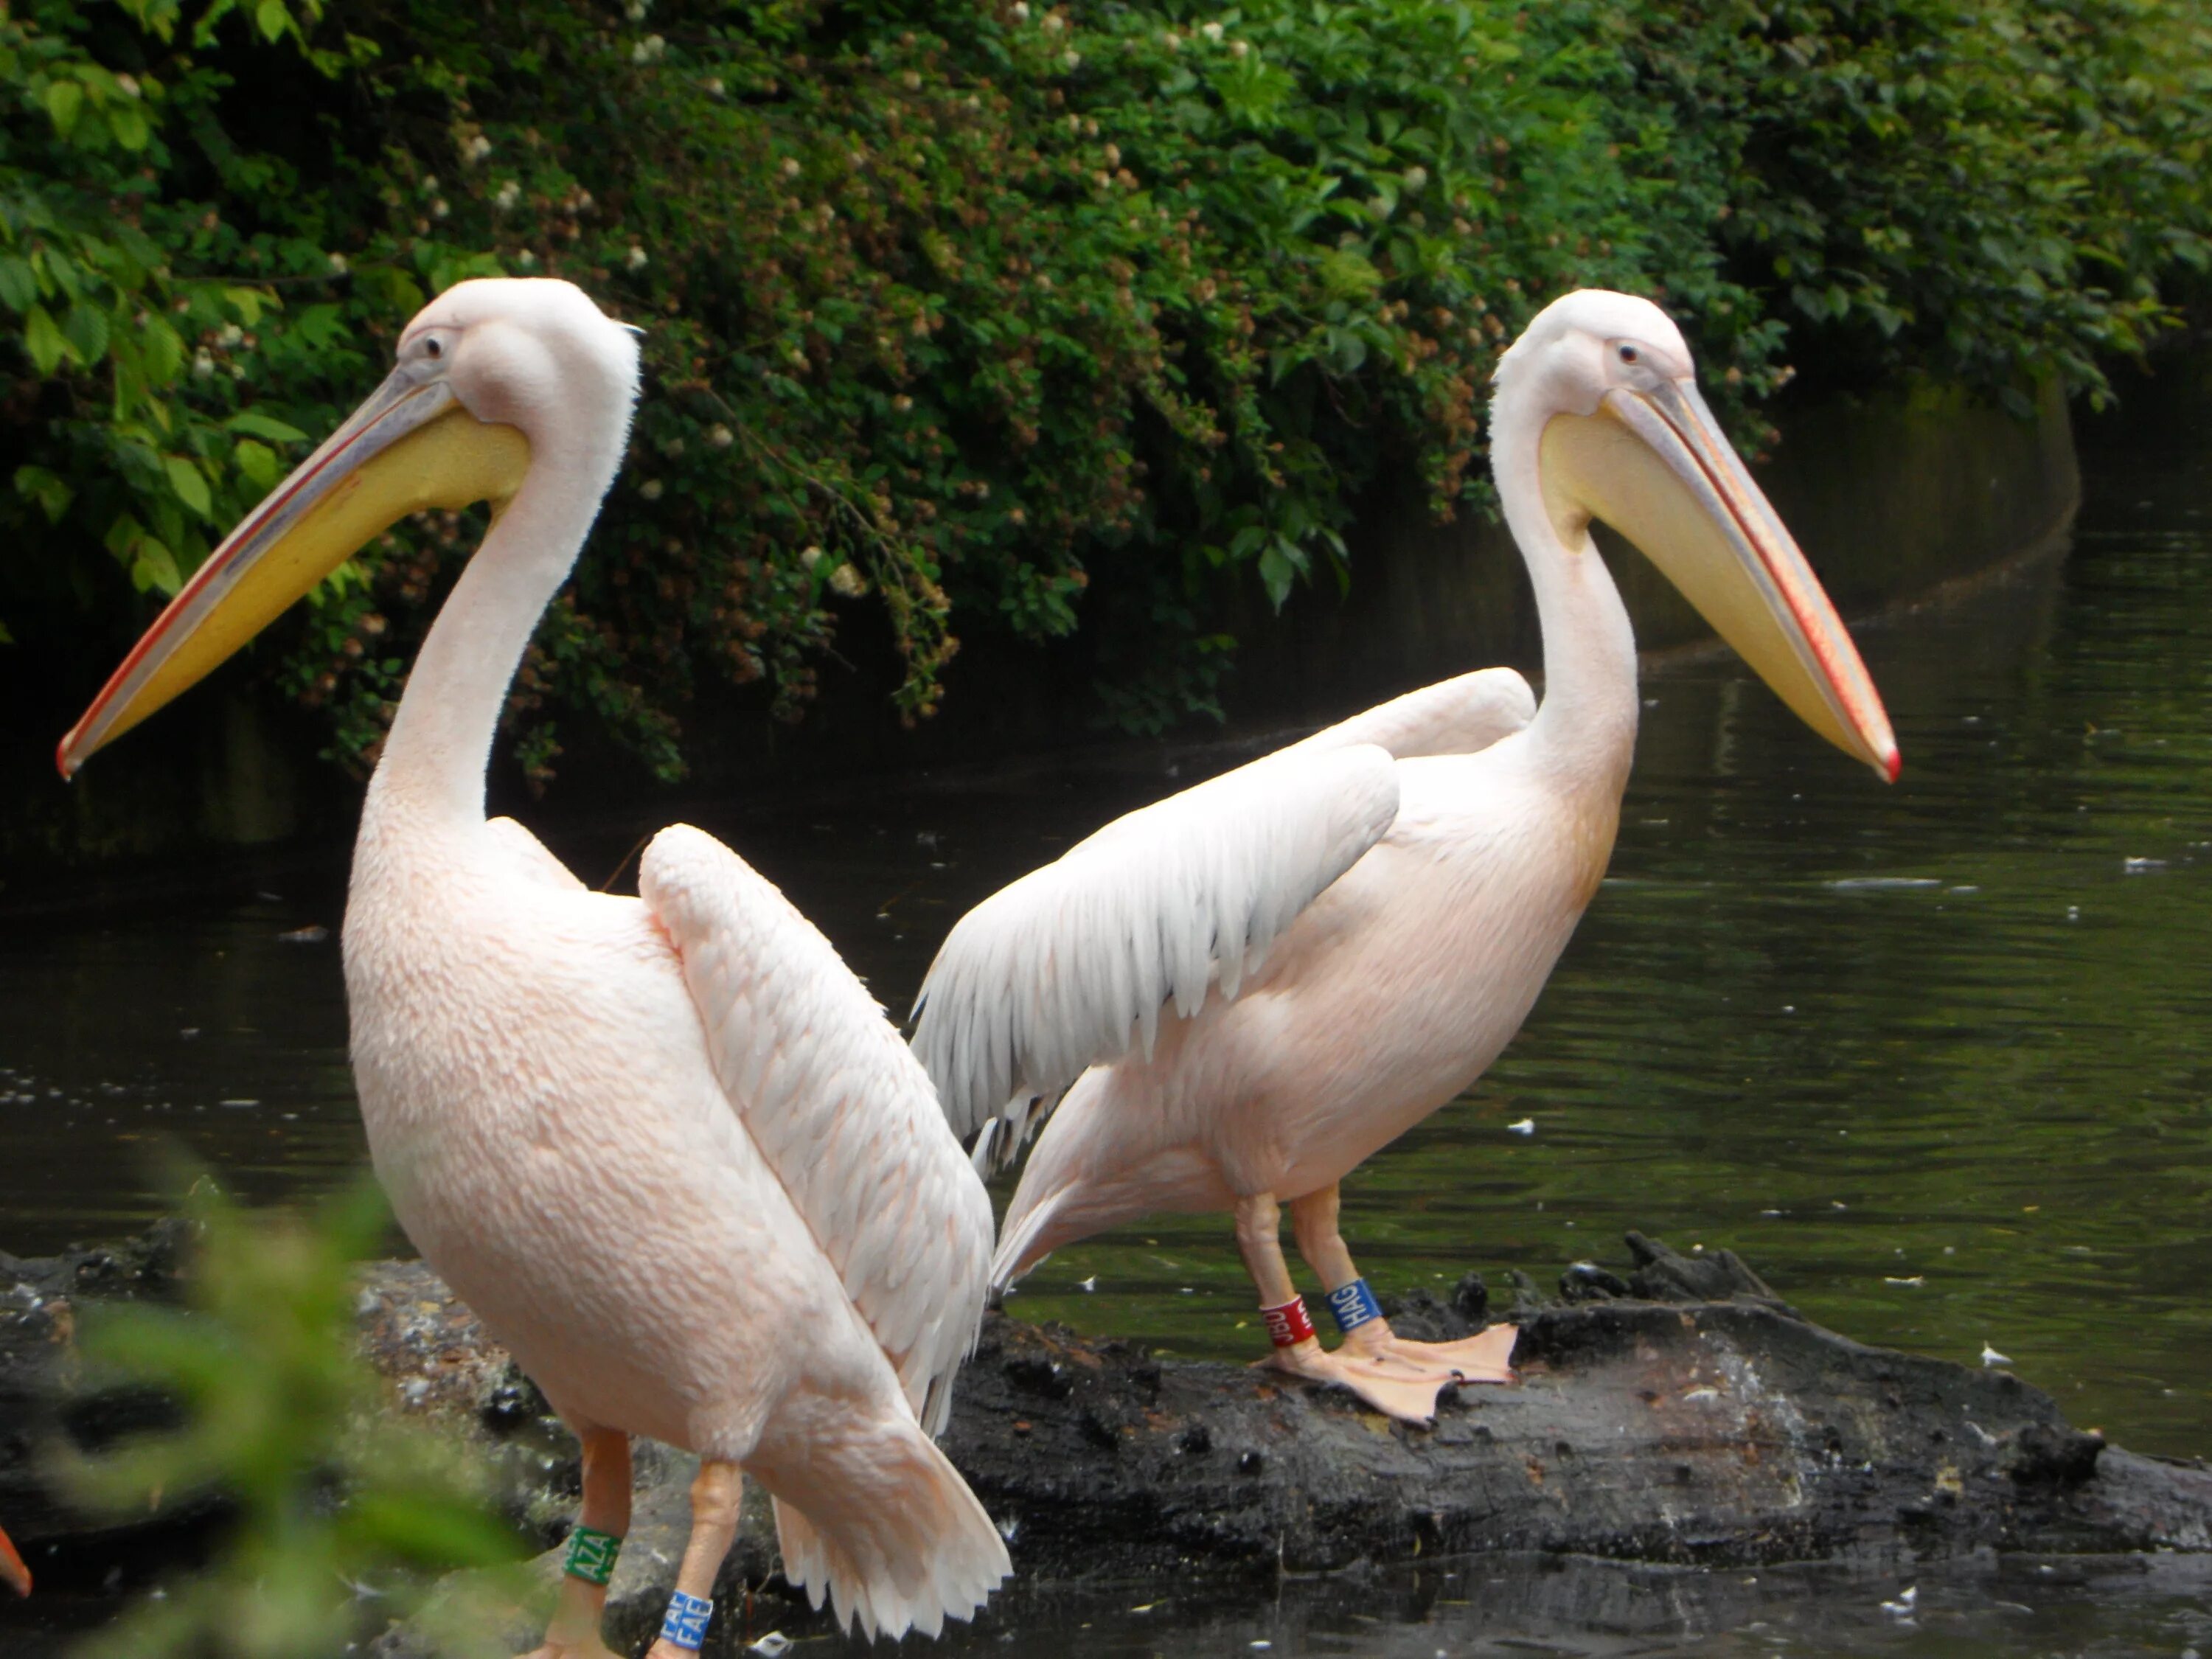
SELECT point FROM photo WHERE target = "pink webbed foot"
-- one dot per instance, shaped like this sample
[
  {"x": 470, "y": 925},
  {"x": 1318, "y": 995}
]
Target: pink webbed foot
[
  {"x": 1390, "y": 1386},
  {"x": 1486, "y": 1356}
]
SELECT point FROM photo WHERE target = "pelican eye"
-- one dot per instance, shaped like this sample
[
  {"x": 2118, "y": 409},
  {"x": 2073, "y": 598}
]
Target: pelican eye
[
  {"x": 431, "y": 347},
  {"x": 1628, "y": 353}
]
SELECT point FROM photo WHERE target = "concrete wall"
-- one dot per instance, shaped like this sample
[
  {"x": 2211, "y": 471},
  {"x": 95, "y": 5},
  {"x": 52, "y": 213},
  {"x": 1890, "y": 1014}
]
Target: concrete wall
[{"x": 1888, "y": 499}]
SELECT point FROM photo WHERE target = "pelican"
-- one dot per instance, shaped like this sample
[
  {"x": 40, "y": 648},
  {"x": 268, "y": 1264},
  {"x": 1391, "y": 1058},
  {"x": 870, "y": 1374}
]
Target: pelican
[
  {"x": 1247, "y": 989},
  {"x": 666, "y": 1147}
]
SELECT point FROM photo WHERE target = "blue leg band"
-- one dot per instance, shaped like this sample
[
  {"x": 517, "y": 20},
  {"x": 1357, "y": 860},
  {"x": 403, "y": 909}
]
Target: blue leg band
[
  {"x": 686, "y": 1624},
  {"x": 1353, "y": 1305}
]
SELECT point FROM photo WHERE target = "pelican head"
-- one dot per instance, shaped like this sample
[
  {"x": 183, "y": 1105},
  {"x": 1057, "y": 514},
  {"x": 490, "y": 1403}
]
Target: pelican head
[
  {"x": 1626, "y": 437},
  {"x": 488, "y": 373}
]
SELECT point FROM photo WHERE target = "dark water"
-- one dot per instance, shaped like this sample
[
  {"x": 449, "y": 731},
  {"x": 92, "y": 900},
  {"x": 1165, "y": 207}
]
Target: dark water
[{"x": 1935, "y": 1059}]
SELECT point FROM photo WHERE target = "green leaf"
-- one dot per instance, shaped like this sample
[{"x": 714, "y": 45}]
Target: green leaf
[
  {"x": 155, "y": 567},
  {"x": 190, "y": 483},
  {"x": 86, "y": 331},
  {"x": 35, "y": 483},
  {"x": 258, "y": 462},
  {"x": 273, "y": 19},
  {"x": 64, "y": 102},
  {"x": 1349, "y": 275},
  {"x": 129, "y": 124},
  {"x": 1278, "y": 573},
  {"x": 44, "y": 341},
  {"x": 19, "y": 283},
  {"x": 255, "y": 424},
  {"x": 162, "y": 350}
]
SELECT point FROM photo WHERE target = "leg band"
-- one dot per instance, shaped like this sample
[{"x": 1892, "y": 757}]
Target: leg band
[
  {"x": 1288, "y": 1326},
  {"x": 592, "y": 1555},
  {"x": 686, "y": 1624},
  {"x": 1353, "y": 1305}
]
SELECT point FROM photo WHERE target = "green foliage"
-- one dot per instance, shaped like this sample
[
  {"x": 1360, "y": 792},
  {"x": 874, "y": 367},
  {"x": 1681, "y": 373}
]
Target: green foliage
[
  {"x": 1986, "y": 194},
  {"x": 339, "y": 1503},
  {"x": 953, "y": 309}
]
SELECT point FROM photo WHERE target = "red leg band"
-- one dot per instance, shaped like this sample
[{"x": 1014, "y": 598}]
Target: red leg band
[{"x": 1288, "y": 1326}]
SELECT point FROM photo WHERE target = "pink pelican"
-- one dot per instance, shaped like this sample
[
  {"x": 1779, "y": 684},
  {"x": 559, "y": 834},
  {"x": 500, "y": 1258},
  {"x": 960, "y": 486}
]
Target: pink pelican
[
  {"x": 1245, "y": 990},
  {"x": 666, "y": 1147}
]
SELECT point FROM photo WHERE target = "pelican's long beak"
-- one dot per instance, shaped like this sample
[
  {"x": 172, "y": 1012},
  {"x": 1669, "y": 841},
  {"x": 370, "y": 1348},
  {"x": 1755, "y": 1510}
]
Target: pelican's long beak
[
  {"x": 412, "y": 447},
  {"x": 1656, "y": 467},
  {"x": 13, "y": 1572}
]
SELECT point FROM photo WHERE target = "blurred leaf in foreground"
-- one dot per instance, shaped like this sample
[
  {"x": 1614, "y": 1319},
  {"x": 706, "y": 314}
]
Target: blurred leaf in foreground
[{"x": 341, "y": 1508}]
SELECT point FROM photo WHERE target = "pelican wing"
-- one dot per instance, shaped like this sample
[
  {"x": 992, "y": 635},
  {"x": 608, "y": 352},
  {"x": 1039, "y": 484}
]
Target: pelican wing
[
  {"x": 841, "y": 1108},
  {"x": 1070, "y": 966},
  {"x": 530, "y": 858},
  {"x": 1458, "y": 716}
]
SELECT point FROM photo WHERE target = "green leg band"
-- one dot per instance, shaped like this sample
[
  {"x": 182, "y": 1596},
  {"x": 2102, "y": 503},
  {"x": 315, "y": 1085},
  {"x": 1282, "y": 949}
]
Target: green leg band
[{"x": 592, "y": 1555}]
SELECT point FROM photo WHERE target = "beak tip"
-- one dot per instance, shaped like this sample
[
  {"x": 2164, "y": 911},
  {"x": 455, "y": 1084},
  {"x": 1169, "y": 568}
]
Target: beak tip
[
  {"x": 1891, "y": 766},
  {"x": 67, "y": 761}
]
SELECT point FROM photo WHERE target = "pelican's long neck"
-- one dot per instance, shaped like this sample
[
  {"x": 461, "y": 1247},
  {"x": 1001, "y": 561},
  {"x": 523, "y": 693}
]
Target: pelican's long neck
[
  {"x": 435, "y": 758},
  {"x": 1585, "y": 730}
]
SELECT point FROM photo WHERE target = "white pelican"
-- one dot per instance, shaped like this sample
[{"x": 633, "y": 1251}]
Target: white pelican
[
  {"x": 668, "y": 1147},
  {"x": 1350, "y": 929}
]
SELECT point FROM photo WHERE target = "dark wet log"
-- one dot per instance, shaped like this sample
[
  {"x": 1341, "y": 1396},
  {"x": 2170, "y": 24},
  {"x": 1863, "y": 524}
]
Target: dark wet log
[
  {"x": 1679, "y": 1412},
  {"x": 41, "y": 1299},
  {"x": 1715, "y": 1433}
]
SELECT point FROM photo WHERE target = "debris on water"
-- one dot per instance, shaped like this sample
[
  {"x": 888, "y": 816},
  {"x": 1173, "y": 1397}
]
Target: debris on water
[
  {"x": 2141, "y": 867},
  {"x": 1991, "y": 1356},
  {"x": 1088, "y": 1285},
  {"x": 241, "y": 1100},
  {"x": 1902, "y": 1608},
  {"x": 772, "y": 1645},
  {"x": 1527, "y": 1126},
  {"x": 314, "y": 934},
  {"x": 2073, "y": 913},
  {"x": 1917, "y": 1279},
  {"x": 1884, "y": 884}
]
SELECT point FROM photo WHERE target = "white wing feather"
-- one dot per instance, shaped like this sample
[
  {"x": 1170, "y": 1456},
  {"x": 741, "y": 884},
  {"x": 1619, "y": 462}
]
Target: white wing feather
[
  {"x": 1069, "y": 967},
  {"x": 837, "y": 1104},
  {"x": 1460, "y": 716}
]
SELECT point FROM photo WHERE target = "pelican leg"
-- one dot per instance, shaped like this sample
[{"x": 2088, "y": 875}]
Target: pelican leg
[
  {"x": 1486, "y": 1356},
  {"x": 574, "y": 1629},
  {"x": 715, "y": 1492},
  {"x": 1387, "y": 1384}
]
